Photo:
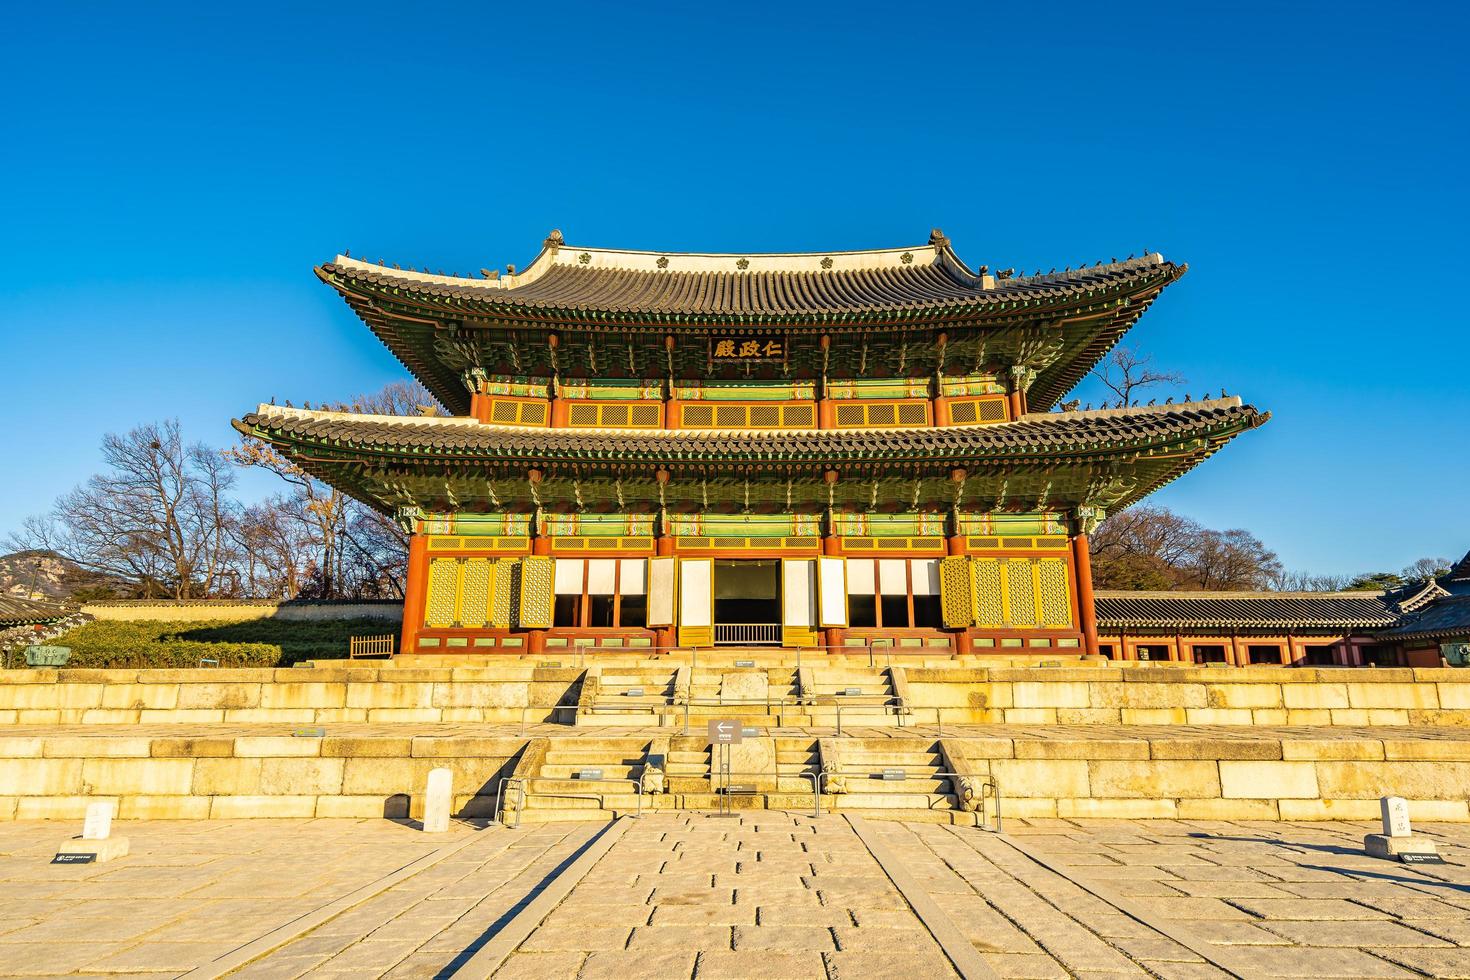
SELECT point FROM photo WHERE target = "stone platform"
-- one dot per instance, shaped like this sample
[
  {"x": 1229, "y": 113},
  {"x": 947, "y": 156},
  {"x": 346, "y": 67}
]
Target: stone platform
[{"x": 359, "y": 770}]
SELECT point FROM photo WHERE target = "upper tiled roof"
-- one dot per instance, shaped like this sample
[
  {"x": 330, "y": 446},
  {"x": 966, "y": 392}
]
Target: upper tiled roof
[
  {"x": 1243, "y": 610},
  {"x": 15, "y": 611},
  {"x": 1446, "y": 619},
  {"x": 1034, "y": 436},
  {"x": 566, "y": 279}
]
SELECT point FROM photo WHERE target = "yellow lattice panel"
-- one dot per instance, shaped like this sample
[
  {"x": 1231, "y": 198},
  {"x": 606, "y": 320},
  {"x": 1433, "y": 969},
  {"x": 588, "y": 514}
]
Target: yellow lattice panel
[
  {"x": 798, "y": 636},
  {"x": 864, "y": 414},
  {"x": 1020, "y": 584},
  {"x": 504, "y": 593},
  {"x": 956, "y": 592},
  {"x": 474, "y": 595},
  {"x": 440, "y": 606},
  {"x": 740, "y": 416},
  {"x": 990, "y": 607},
  {"x": 537, "y": 592},
  {"x": 1053, "y": 592},
  {"x": 696, "y": 636},
  {"x": 977, "y": 411},
  {"x": 508, "y": 411},
  {"x": 615, "y": 415},
  {"x": 642, "y": 544},
  {"x": 479, "y": 543}
]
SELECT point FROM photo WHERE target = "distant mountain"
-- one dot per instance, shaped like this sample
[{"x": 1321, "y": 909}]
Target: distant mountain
[{"x": 47, "y": 575}]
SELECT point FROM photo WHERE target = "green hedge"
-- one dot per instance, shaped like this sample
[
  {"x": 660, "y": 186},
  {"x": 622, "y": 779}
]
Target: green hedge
[{"x": 253, "y": 643}]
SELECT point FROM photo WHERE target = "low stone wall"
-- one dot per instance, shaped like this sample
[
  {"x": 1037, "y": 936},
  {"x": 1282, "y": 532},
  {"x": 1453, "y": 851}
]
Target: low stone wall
[
  {"x": 239, "y": 610},
  {"x": 230, "y": 777},
  {"x": 288, "y": 695},
  {"x": 1272, "y": 776},
  {"x": 1190, "y": 696}
]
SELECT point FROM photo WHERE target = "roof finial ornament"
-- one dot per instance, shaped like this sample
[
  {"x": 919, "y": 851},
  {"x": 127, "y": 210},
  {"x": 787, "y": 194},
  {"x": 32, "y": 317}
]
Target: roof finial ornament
[
  {"x": 937, "y": 238},
  {"x": 554, "y": 240},
  {"x": 347, "y": 253},
  {"x": 510, "y": 269},
  {"x": 490, "y": 273}
]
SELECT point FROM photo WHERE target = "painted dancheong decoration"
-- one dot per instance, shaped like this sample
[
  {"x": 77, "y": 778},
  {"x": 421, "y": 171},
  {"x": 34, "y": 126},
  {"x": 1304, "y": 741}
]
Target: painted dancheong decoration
[{"x": 650, "y": 450}]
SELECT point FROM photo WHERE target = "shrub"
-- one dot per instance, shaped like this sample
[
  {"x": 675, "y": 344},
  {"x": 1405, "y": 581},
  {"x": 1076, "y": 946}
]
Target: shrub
[{"x": 253, "y": 643}]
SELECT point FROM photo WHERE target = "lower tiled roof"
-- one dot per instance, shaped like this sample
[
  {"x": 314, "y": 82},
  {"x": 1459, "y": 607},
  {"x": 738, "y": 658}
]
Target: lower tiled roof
[
  {"x": 1243, "y": 610},
  {"x": 15, "y": 611}
]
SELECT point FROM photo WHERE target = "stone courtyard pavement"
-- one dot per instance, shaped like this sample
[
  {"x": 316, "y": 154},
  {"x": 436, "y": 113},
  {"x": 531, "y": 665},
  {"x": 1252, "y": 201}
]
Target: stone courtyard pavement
[{"x": 757, "y": 895}]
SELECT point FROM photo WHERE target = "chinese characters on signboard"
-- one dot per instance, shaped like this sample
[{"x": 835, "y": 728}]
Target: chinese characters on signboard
[{"x": 744, "y": 347}]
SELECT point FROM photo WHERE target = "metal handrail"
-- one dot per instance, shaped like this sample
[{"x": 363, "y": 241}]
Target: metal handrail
[
  {"x": 520, "y": 785},
  {"x": 985, "y": 780}
]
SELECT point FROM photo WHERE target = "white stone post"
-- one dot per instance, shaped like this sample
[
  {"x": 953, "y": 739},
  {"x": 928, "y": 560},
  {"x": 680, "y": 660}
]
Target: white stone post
[
  {"x": 98, "y": 825},
  {"x": 1395, "y": 810},
  {"x": 438, "y": 800}
]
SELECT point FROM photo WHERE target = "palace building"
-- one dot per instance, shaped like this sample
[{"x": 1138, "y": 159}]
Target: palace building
[{"x": 840, "y": 449}]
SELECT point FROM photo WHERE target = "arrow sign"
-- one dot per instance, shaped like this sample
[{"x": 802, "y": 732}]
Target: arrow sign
[{"x": 726, "y": 731}]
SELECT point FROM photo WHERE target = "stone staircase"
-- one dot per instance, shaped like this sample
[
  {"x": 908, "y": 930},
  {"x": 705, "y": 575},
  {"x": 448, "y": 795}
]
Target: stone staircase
[
  {"x": 860, "y": 765},
  {"x": 867, "y": 695}
]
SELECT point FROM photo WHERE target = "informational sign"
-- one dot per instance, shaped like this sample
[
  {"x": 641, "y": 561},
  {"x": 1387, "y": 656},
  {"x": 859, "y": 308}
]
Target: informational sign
[
  {"x": 1413, "y": 858},
  {"x": 726, "y": 731},
  {"x": 746, "y": 347},
  {"x": 74, "y": 859},
  {"x": 310, "y": 733},
  {"x": 745, "y": 663},
  {"x": 589, "y": 774}
]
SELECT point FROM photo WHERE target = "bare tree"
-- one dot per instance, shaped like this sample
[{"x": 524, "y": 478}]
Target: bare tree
[
  {"x": 1155, "y": 548},
  {"x": 1284, "y": 581},
  {"x": 1426, "y": 568},
  {"x": 159, "y": 518},
  {"x": 1125, "y": 372}
]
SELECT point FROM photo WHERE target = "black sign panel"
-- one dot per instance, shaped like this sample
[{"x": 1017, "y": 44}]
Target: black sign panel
[
  {"x": 1421, "y": 859},
  {"x": 74, "y": 859}
]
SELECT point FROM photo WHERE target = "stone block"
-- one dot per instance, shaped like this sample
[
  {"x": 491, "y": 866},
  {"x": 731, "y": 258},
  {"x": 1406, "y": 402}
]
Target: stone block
[
  {"x": 226, "y": 777},
  {"x": 1125, "y": 809},
  {"x": 390, "y": 695},
  {"x": 243, "y": 807},
  {"x": 1051, "y": 778},
  {"x": 1268, "y": 716},
  {"x": 52, "y": 807},
  {"x": 111, "y": 716},
  {"x": 163, "y": 808},
  {"x": 1379, "y": 695},
  {"x": 214, "y": 747},
  {"x": 457, "y": 746},
  {"x": 1320, "y": 695},
  {"x": 1030, "y": 716},
  {"x": 1427, "y": 748},
  {"x": 1259, "y": 780},
  {"x": 1384, "y": 846},
  {"x": 1215, "y": 748},
  {"x": 403, "y": 716},
  {"x": 21, "y": 746},
  {"x": 366, "y": 747},
  {"x": 1234, "y": 809},
  {"x": 41, "y": 777},
  {"x": 481, "y": 695},
  {"x": 1139, "y": 694},
  {"x": 179, "y": 716},
  {"x": 358, "y": 807},
  {"x": 1218, "y": 716},
  {"x": 1388, "y": 716},
  {"x": 1028, "y": 808},
  {"x": 1350, "y": 717},
  {"x": 1153, "y": 716},
  {"x": 307, "y": 695},
  {"x": 300, "y": 777},
  {"x": 37, "y": 716},
  {"x": 1361, "y": 749},
  {"x": 140, "y": 696},
  {"x": 1412, "y": 780},
  {"x": 1453, "y": 695},
  {"x": 219, "y": 696},
  {"x": 1082, "y": 748},
  {"x": 1328, "y": 809},
  {"x": 1033, "y": 694},
  {"x": 1244, "y": 695},
  {"x": 1152, "y": 779},
  {"x": 271, "y": 716},
  {"x": 384, "y": 777},
  {"x": 143, "y": 777},
  {"x": 1089, "y": 716},
  {"x": 257, "y": 746},
  {"x": 92, "y": 747}
]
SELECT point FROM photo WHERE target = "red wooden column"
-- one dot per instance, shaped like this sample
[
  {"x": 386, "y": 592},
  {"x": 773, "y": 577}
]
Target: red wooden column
[
  {"x": 671, "y": 404},
  {"x": 415, "y": 589},
  {"x": 1086, "y": 611},
  {"x": 955, "y": 545}
]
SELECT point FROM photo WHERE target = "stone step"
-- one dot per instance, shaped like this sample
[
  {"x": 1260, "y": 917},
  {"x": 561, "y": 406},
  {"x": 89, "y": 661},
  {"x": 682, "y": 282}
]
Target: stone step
[
  {"x": 895, "y": 801},
  {"x": 550, "y": 786},
  {"x": 864, "y": 784},
  {"x": 609, "y": 770}
]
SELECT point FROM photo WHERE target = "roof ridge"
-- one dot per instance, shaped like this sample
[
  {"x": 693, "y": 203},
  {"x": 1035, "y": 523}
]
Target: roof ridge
[{"x": 1229, "y": 401}]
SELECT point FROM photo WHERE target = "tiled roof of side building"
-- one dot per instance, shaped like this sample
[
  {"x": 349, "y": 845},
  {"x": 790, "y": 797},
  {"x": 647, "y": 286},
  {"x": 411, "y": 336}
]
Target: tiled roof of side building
[
  {"x": 1445, "y": 619},
  {"x": 570, "y": 279},
  {"x": 15, "y": 611},
  {"x": 1243, "y": 610},
  {"x": 1038, "y": 435}
]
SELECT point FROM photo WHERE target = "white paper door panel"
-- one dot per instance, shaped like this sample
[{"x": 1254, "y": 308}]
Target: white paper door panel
[
  {"x": 696, "y": 595},
  {"x": 569, "y": 575},
  {"x": 799, "y": 592},
  {"x": 860, "y": 576},
  {"x": 632, "y": 577},
  {"x": 832, "y": 584},
  {"x": 662, "y": 575},
  {"x": 600, "y": 574},
  {"x": 893, "y": 576},
  {"x": 926, "y": 576}
]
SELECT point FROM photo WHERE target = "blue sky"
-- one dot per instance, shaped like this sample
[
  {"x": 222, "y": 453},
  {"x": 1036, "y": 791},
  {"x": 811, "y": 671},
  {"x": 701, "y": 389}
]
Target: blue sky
[{"x": 170, "y": 176}]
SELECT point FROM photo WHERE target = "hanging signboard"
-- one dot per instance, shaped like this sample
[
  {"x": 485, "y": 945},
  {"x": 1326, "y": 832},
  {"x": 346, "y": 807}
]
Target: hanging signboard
[{"x": 746, "y": 347}]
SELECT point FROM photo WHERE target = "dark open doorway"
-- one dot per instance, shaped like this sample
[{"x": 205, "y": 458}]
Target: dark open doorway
[{"x": 748, "y": 590}]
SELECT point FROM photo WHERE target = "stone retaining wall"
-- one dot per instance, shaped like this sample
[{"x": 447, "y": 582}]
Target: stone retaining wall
[
  {"x": 239, "y": 610},
  {"x": 1190, "y": 696},
  {"x": 226, "y": 777},
  {"x": 290, "y": 695}
]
